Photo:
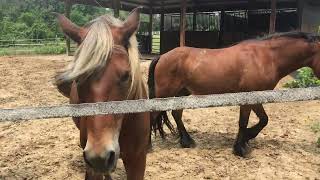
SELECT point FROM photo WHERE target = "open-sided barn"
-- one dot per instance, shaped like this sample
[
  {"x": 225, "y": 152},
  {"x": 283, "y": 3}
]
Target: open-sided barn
[{"x": 216, "y": 23}]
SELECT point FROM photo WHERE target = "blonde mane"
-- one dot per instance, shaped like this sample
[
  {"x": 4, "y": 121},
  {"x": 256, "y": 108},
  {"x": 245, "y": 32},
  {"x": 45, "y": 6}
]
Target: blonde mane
[{"x": 92, "y": 55}]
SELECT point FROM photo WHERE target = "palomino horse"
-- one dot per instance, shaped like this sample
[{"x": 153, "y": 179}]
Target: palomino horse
[
  {"x": 251, "y": 65},
  {"x": 106, "y": 67}
]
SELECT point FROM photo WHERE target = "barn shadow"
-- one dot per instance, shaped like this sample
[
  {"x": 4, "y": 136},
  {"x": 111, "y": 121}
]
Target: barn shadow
[{"x": 218, "y": 141}]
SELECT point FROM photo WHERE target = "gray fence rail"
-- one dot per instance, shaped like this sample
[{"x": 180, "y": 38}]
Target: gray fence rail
[{"x": 164, "y": 104}]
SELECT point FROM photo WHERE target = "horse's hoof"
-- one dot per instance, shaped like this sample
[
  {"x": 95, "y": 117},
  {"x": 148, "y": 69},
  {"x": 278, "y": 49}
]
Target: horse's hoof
[
  {"x": 187, "y": 143},
  {"x": 240, "y": 150}
]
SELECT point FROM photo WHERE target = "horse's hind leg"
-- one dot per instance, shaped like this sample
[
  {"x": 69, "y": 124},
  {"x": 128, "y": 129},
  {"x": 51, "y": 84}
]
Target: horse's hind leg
[
  {"x": 263, "y": 121},
  {"x": 240, "y": 147},
  {"x": 185, "y": 139}
]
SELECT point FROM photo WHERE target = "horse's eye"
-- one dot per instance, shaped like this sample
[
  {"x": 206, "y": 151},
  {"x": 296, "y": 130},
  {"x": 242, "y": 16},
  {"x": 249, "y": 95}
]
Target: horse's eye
[{"x": 125, "y": 76}]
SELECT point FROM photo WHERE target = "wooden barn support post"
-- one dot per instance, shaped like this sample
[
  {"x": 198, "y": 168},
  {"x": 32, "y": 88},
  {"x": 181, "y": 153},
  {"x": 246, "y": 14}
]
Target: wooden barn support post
[
  {"x": 194, "y": 20},
  {"x": 251, "y": 7},
  {"x": 221, "y": 31},
  {"x": 150, "y": 29},
  {"x": 67, "y": 11},
  {"x": 183, "y": 23},
  {"x": 273, "y": 17},
  {"x": 161, "y": 28},
  {"x": 116, "y": 8},
  {"x": 300, "y": 13}
]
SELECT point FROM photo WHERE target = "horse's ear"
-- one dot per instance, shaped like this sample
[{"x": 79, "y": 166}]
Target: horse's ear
[
  {"x": 131, "y": 24},
  {"x": 69, "y": 28}
]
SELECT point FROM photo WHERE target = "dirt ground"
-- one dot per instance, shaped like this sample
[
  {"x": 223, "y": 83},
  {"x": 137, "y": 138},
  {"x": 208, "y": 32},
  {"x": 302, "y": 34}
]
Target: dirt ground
[{"x": 49, "y": 149}]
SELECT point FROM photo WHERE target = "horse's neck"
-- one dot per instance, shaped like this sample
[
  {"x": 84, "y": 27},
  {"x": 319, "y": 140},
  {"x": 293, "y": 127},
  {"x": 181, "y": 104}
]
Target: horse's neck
[
  {"x": 292, "y": 55},
  {"x": 139, "y": 90}
]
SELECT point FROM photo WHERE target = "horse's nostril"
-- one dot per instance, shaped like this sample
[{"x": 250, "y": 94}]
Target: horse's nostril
[{"x": 111, "y": 159}]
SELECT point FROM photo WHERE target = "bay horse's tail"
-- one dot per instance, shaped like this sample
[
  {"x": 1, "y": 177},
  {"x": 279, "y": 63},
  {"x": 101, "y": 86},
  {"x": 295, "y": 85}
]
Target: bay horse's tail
[{"x": 162, "y": 117}]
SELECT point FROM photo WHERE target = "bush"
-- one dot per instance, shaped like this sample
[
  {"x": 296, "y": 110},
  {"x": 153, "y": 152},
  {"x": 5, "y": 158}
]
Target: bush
[{"x": 305, "y": 78}]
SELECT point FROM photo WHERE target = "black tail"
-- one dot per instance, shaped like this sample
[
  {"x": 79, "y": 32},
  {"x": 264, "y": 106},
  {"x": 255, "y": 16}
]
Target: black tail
[{"x": 162, "y": 118}]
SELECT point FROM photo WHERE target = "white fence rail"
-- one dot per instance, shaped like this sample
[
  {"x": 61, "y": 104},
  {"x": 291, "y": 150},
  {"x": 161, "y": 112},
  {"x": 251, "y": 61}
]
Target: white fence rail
[{"x": 164, "y": 104}]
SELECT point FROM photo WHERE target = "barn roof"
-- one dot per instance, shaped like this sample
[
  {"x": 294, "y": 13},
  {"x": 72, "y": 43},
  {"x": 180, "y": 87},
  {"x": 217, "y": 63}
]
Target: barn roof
[{"x": 173, "y": 6}]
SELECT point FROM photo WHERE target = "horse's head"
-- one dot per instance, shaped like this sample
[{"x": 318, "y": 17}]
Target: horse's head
[{"x": 105, "y": 68}]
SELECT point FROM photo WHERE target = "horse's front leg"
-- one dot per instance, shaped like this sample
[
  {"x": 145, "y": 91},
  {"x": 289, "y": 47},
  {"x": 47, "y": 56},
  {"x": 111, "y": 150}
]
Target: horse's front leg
[
  {"x": 92, "y": 176},
  {"x": 135, "y": 166},
  {"x": 240, "y": 147}
]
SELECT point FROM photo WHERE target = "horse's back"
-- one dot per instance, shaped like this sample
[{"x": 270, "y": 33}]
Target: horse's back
[{"x": 231, "y": 69}]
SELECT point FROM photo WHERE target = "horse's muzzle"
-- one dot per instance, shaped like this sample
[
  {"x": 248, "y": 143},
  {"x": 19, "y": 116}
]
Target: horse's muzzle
[{"x": 105, "y": 163}]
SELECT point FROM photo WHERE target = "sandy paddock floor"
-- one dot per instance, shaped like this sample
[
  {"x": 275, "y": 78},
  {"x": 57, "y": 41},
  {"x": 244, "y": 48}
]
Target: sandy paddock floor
[{"x": 49, "y": 149}]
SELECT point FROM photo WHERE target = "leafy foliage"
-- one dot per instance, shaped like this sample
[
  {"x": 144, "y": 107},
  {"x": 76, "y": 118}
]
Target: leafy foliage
[
  {"x": 305, "y": 78},
  {"x": 32, "y": 19}
]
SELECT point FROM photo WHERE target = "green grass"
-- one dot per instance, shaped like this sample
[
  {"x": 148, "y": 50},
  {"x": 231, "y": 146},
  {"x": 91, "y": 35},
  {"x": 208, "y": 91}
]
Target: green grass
[{"x": 46, "y": 49}]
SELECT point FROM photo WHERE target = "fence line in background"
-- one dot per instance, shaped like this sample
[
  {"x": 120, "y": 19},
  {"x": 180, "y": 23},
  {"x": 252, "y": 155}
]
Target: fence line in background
[
  {"x": 164, "y": 104},
  {"x": 19, "y": 40},
  {"x": 30, "y": 42}
]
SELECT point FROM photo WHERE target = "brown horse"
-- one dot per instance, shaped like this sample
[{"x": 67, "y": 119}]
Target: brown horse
[
  {"x": 251, "y": 65},
  {"x": 106, "y": 67}
]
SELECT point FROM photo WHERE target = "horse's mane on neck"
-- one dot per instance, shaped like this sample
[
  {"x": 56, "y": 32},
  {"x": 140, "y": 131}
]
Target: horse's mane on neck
[
  {"x": 92, "y": 55},
  {"x": 309, "y": 37}
]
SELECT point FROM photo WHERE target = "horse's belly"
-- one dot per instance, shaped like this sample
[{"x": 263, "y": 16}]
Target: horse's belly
[
  {"x": 212, "y": 86},
  {"x": 217, "y": 84}
]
